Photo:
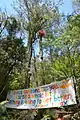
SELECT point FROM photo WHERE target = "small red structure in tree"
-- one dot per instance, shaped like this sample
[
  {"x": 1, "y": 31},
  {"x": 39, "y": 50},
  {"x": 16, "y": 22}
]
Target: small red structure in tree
[{"x": 42, "y": 33}]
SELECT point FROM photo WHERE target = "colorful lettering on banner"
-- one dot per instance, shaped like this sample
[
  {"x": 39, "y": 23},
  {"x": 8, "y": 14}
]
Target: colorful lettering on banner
[
  {"x": 26, "y": 91},
  {"x": 62, "y": 98},
  {"x": 53, "y": 95},
  {"x": 32, "y": 96}
]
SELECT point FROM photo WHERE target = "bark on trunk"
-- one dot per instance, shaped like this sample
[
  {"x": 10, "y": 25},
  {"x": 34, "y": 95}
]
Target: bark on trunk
[
  {"x": 27, "y": 81},
  {"x": 41, "y": 57}
]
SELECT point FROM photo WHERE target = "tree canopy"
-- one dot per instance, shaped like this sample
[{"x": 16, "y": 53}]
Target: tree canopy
[{"x": 54, "y": 57}]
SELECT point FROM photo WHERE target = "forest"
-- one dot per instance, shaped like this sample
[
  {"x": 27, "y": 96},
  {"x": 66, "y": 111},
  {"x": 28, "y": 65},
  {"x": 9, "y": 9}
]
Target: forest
[{"x": 38, "y": 46}]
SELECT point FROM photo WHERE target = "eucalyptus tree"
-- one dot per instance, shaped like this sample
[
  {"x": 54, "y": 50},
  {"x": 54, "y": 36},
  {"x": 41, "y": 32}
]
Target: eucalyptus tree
[{"x": 35, "y": 15}]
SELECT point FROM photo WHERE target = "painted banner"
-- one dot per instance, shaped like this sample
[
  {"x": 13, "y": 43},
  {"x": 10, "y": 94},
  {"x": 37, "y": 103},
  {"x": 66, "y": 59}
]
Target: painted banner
[{"x": 56, "y": 94}]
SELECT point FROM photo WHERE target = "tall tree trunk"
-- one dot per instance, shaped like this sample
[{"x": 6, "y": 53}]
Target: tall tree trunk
[
  {"x": 35, "y": 69},
  {"x": 41, "y": 49},
  {"x": 30, "y": 45},
  {"x": 41, "y": 57}
]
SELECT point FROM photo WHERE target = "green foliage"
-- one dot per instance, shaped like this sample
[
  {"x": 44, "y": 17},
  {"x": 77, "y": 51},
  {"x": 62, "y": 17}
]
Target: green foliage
[
  {"x": 61, "y": 54},
  {"x": 49, "y": 115},
  {"x": 12, "y": 52},
  {"x": 3, "y": 112}
]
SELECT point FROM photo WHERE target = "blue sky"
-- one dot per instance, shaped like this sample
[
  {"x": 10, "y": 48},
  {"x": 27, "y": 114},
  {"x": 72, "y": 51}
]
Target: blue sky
[
  {"x": 66, "y": 8},
  {"x": 6, "y": 4}
]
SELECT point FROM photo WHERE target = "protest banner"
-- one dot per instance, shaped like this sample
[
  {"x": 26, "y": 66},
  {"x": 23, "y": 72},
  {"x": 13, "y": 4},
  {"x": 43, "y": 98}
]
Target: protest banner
[{"x": 56, "y": 94}]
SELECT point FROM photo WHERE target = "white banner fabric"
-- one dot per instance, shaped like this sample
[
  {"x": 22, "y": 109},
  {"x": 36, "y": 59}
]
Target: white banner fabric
[{"x": 56, "y": 94}]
